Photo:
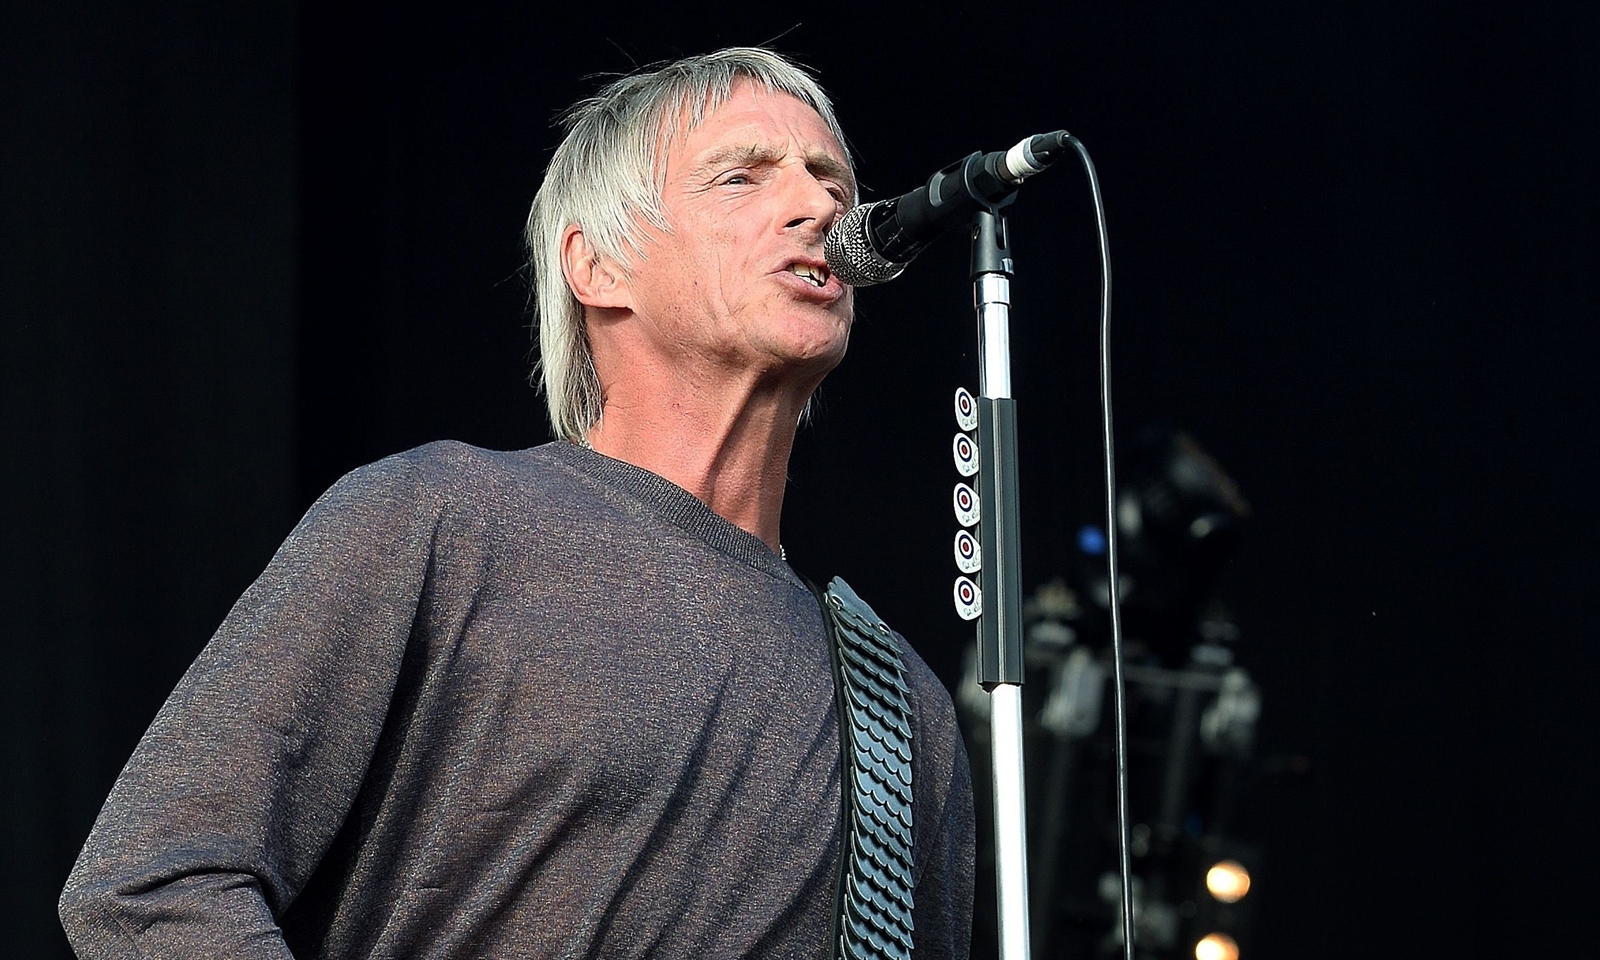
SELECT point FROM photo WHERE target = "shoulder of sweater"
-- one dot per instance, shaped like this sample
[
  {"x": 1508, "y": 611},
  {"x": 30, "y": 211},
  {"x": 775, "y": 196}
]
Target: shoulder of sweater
[
  {"x": 446, "y": 470},
  {"x": 926, "y": 687},
  {"x": 428, "y": 484}
]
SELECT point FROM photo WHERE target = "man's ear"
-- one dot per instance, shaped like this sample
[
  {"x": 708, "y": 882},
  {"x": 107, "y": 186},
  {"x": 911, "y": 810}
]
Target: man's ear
[{"x": 596, "y": 280}]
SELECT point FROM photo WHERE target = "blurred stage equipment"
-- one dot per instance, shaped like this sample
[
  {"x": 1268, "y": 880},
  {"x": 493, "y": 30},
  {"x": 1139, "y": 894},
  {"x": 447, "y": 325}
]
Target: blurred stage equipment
[{"x": 1191, "y": 714}]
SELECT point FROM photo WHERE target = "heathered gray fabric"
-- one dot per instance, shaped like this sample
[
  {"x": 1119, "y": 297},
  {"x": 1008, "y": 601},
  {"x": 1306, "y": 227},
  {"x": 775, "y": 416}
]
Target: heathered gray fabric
[{"x": 528, "y": 704}]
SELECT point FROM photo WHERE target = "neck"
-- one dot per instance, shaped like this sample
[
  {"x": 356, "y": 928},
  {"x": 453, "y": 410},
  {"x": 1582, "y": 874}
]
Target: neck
[{"x": 731, "y": 450}]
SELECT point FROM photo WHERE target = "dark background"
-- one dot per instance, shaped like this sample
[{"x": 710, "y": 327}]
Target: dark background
[{"x": 243, "y": 250}]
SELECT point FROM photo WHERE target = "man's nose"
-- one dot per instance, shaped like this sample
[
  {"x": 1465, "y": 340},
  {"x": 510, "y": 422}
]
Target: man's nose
[{"x": 812, "y": 205}]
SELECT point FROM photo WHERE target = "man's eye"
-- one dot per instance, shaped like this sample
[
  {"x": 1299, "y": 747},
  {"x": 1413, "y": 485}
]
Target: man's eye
[{"x": 738, "y": 180}]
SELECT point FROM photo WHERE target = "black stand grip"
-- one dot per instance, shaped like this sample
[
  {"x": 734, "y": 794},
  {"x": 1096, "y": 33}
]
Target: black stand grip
[{"x": 1000, "y": 533}]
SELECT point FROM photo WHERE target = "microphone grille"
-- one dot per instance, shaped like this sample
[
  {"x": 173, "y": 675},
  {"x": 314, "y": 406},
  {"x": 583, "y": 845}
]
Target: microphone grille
[{"x": 849, "y": 253}]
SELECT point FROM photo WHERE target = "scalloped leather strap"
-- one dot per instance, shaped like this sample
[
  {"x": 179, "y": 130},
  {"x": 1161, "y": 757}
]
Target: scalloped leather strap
[{"x": 872, "y": 916}]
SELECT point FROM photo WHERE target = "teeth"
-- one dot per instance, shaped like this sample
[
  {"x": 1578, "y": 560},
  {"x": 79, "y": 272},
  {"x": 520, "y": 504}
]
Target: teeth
[{"x": 811, "y": 273}]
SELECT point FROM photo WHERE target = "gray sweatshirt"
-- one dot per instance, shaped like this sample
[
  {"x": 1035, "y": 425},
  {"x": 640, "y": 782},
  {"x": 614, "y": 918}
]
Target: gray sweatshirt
[{"x": 538, "y": 703}]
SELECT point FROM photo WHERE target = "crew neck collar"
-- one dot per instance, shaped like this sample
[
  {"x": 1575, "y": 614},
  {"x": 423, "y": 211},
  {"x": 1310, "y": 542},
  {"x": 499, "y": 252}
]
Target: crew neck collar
[{"x": 674, "y": 504}]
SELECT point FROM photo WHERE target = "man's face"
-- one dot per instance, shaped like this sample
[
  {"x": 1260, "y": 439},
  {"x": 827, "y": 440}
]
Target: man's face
[{"x": 740, "y": 281}]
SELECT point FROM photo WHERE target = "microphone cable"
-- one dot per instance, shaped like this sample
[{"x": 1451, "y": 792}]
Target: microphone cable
[{"x": 1114, "y": 585}]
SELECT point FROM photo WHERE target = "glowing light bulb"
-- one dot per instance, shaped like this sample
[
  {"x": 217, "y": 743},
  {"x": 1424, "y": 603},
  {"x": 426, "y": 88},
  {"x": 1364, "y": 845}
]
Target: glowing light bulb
[
  {"x": 1216, "y": 946},
  {"x": 1228, "y": 881}
]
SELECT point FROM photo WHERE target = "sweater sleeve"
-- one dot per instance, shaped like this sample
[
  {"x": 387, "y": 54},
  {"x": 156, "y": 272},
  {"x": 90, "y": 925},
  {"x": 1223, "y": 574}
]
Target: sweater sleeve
[
  {"x": 943, "y": 815},
  {"x": 247, "y": 772}
]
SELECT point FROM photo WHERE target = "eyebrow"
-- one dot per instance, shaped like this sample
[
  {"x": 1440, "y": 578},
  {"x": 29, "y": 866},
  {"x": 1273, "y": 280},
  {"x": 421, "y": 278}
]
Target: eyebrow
[{"x": 818, "y": 161}]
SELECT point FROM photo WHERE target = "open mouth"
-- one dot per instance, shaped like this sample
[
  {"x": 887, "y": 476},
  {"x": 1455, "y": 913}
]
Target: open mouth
[{"x": 817, "y": 275}]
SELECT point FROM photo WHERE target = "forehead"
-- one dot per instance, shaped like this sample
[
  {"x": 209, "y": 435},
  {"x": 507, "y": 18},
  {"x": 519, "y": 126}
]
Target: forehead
[{"x": 757, "y": 118}]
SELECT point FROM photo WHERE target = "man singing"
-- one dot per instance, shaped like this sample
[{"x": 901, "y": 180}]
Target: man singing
[{"x": 571, "y": 701}]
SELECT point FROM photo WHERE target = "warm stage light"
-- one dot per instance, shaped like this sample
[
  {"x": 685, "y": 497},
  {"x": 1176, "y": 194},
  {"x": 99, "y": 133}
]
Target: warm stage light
[
  {"x": 1216, "y": 946},
  {"x": 1228, "y": 881}
]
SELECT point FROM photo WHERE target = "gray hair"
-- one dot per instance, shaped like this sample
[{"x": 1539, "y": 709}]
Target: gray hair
[{"x": 606, "y": 177}]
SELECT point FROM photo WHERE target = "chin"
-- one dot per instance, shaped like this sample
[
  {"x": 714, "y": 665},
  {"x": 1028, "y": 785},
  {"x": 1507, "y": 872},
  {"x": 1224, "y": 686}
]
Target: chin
[
  {"x": 810, "y": 340},
  {"x": 827, "y": 351}
]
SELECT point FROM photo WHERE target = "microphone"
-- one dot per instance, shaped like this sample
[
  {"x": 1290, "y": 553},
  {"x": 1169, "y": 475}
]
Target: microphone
[{"x": 873, "y": 242}]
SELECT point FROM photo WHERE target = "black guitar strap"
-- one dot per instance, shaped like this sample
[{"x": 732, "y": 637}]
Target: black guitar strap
[{"x": 873, "y": 896}]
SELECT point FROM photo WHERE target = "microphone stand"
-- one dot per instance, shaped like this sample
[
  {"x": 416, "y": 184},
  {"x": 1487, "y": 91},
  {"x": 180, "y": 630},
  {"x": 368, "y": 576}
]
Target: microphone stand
[
  {"x": 872, "y": 244},
  {"x": 1000, "y": 623}
]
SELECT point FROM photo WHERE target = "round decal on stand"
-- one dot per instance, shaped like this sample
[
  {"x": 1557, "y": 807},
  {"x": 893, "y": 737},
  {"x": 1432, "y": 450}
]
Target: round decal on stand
[
  {"x": 969, "y": 556},
  {"x": 965, "y": 452},
  {"x": 966, "y": 410},
  {"x": 969, "y": 599},
  {"x": 966, "y": 504}
]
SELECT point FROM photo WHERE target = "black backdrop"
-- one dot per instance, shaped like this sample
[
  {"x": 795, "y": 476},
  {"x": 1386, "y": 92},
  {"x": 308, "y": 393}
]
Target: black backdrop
[{"x": 246, "y": 250}]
